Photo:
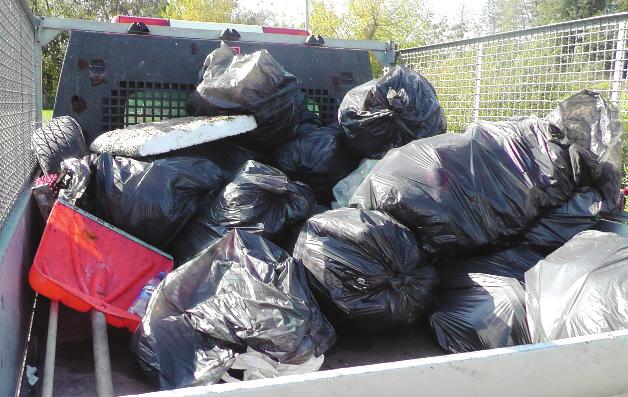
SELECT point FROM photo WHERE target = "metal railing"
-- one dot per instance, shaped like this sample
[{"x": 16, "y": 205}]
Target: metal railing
[
  {"x": 528, "y": 71},
  {"x": 17, "y": 101}
]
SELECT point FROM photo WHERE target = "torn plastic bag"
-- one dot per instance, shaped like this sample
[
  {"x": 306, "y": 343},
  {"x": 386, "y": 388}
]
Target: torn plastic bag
[
  {"x": 243, "y": 291},
  {"x": 579, "y": 289},
  {"x": 366, "y": 266},
  {"x": 485, "y": 312},
  {"x": 343, "y": 191},
  {"x": 154, "y": 200},
  {"x": 319, "y": 157},
  {"x": 460, "y": 192},
  {"x": 250, "y": 84},
  {"x": 260, "y": 200},
  {"x": 256, "y": 365},
  {"x": 79, "y": 170},
  {"x": 558, "y": 225},
  {"x": 391, "y": 111}
]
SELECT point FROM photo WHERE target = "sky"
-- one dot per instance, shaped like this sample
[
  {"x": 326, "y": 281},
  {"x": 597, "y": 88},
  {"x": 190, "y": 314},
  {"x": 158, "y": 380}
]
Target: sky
[{"x": 292, "y": 12}]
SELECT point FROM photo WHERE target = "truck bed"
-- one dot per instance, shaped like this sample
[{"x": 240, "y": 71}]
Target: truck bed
[{"x": 74, "y": 371}]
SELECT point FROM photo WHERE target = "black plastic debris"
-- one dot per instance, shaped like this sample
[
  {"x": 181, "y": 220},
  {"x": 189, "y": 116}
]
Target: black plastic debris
[
  {"x": 292, "y": 235},
  {"x": 153, "y": 200},
  {"x": 579, "y": 289},
  {"x": 460, "y": 192},
  {"x": 250, "y": 84},
  {"x": 242, "y": 292},
  {"x": 260, "y": 200},
  {"x": 319, "y": 157},
  {"x": 481, "y": 302},
  {"x": 61, "y": 138},
  {"x": 391, "y": 111},
  {"x": 558, "y": 225},
  {"x": 367, "y": 267}
]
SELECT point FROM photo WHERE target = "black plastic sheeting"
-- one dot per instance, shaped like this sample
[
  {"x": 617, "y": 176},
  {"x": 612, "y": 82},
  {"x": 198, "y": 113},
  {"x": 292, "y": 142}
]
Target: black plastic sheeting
[
  {"x": 558, "y": 225},
  {"x": 481, "y": 302},
  {"x": 252, "y": 84},
  {"x": 460, "y": 192},
  {"x": 391, "y": 111},
  {"x": 244, "y": 291},
  {"x": 153, "y": 200},
  {"x": 579, "y": 289},
  {"x": 367, "y": 266},
  {"x": 318, "y": 157},
  {"x": 260, "y": 200}
]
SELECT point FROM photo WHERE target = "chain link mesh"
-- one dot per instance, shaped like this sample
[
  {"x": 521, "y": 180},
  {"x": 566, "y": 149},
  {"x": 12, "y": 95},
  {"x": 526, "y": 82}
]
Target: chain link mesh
[
  {"x": 526, "y": 72},
  {"x": 17, "y": 103}
]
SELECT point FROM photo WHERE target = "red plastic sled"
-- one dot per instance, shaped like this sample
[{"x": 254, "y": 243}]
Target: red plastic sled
[{"x": 85, "y": 263}]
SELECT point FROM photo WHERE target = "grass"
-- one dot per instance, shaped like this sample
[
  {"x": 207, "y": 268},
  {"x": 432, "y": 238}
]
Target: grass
[{"x": 46, "y": 115}]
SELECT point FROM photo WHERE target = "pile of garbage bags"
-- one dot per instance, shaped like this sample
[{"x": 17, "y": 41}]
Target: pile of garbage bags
[
  {"x": 462, "y": 192},
  {"x": 428, "y": 228}
]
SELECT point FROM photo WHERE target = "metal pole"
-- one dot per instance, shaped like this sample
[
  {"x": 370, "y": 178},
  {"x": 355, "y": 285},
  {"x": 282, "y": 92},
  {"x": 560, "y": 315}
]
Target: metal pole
[
  {"x": 618, "y": 65},
  {"x": 51, "y": 350},
  {"x": 478, "y": 78},
  {"x": 102, "y": 365},
  {"x": 307, "y": 15}
]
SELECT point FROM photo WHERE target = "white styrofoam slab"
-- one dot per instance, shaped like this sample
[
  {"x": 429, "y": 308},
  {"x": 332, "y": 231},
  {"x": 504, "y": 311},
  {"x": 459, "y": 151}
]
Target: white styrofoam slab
[{"x": 164, "y": 136}]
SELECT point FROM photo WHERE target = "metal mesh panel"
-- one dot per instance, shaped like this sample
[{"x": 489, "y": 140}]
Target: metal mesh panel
[
  {"x": 526, "y": 72},
  {"x": 17, "y": 102}
]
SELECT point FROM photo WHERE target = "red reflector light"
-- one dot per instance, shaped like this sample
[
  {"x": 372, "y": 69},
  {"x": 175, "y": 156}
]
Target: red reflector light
[
  {"x": 290, "y": 31},
  {"x": 146, "y": 20}
]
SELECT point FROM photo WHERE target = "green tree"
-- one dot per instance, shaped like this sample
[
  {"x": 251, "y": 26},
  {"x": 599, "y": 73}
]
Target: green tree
[{"x": 201, "y": 10}]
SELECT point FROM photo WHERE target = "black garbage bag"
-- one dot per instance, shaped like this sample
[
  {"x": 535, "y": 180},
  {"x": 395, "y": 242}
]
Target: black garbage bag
[
  {"x": 485, "y": 313},
  {"x": 558, "y": 225},
  {"x": 579, "y": 289},
  {"x": 367, "y": 267},
  {"x": 391, "y": 111},
  {"x": 260, "y": 200},
  {"x": 250, "y": 84},
  {"x": 292, "y": 235},
  {"x": 244, "y": 291},
  {"x": 153, "y": 200},
  {"x": 461, "y": 192},
  {"x": 229, "y": 156},
  {"x": 481, "y": 302},
  {"x": 590, "y": 122},
  {"x": 594, "y": 125},
  {"x": 319, "y": 157}
]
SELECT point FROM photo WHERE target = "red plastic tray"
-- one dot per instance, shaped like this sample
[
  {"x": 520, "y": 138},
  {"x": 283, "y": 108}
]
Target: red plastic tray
[{"x": 85, "y": 263}]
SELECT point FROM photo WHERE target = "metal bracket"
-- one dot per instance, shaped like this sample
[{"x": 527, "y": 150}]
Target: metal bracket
[{"x": 387, "y": 57}]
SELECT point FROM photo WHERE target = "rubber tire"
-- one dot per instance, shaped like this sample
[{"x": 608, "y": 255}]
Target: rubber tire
[{"x": 61, "y": 138}]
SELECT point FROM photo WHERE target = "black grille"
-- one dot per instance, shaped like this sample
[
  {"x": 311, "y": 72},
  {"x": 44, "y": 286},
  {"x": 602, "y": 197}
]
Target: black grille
[
  {"x": 319, "y": 101},
  {"x": 137, "y": 102}
]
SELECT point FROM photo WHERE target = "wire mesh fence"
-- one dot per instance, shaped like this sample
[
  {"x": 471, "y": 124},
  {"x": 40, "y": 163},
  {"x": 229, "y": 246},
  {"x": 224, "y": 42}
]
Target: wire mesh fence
[
  {"x": 528, "y": 71},
  {"x": 17, "y": 102}
]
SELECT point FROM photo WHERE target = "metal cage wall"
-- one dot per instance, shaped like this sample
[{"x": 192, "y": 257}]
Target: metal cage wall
[
  {"x": 528, "y": 71},
  {"x": 18, "y": 90}
]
